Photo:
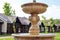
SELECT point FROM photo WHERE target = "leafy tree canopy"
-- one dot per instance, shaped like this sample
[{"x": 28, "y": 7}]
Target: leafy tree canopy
[{"x": 8, "y": 9}]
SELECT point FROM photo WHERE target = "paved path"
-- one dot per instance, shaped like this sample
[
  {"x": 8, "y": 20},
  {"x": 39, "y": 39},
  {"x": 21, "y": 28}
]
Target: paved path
[{"x": 6, "y": 36}]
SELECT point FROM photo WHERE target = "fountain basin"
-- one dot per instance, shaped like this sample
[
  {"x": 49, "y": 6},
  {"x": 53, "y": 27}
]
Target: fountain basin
[
  {"x": 27, "y": 36},
  {"x": 34, "y": 7}
]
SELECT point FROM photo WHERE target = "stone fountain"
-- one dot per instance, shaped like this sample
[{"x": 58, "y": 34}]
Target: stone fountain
[{"x": 34, "y": 9}]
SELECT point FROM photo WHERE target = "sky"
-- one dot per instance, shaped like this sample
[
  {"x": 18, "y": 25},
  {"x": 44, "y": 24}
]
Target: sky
[{"x": 53, "y": 9}]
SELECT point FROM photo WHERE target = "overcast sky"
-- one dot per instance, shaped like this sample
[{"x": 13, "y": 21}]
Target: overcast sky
[{"x": 52, "y": 11}]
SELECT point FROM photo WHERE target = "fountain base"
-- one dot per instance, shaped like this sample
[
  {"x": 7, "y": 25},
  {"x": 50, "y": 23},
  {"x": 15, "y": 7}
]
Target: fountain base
[{"x": 27, "y": 36}]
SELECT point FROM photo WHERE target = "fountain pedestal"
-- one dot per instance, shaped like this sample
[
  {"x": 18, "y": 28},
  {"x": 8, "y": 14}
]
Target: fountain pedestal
[
  {"x": 27, "y": 36},
  {"x": 34, "y": 32},
  {"x": 34, "y": 9}
]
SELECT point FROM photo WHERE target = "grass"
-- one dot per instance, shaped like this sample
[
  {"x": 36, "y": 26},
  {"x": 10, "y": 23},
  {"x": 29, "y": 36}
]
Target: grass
[
  {"x": 57, "y": 37},
  {"x": 5, "y": 34},
  {"x": 6, "y": 39}
]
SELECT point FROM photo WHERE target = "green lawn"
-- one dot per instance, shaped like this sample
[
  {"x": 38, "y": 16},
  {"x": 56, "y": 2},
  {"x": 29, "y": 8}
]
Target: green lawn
[
  {"x": 6, "y": 39},
  {"x": 57, "y": 37},
  {"x": 5, "y": 34}
]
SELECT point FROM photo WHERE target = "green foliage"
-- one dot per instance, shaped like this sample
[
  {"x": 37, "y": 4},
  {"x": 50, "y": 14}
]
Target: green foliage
[
  {"x": 13, "y": 13},
  {"x": 51, "y": 24},
  {"x": 44, "y": 17},
  {"x": 45, "y": 23},
  {"x": 14, "y": 29},
  {"x": 57, "y": 21},
  {"x": 5, "y": 34},
  {"x": 8, "y": 9},
  {"x": 14, "y": 26}
]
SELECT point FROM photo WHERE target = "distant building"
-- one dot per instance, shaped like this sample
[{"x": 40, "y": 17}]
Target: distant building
[
  {"x": 22, "y": 25},
  {"x": 58, "y": 27},
  {"x": 6, "y": 22}
]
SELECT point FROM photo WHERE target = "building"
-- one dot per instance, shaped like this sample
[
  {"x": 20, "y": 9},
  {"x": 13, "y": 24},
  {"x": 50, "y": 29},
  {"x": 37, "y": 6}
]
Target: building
[
  {"x": 58, "y": 27},
  {"x": 22, "y": 25},
  {"x": 6, "y": 22}
]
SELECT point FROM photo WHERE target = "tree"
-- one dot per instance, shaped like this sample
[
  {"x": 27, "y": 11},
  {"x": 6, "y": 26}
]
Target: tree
[
  {"x": 51, "y": 24},
  {"x": 45, "y": 23},
  {"x": 8, "y": 9},
  {"x": 14, "y": 28},
  {"x": 57, "y": 21},
  {"x": 9, "y": 12}
]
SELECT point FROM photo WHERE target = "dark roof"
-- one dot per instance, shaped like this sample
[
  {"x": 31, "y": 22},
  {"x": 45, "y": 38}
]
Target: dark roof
[
  {"x": 9, "y": 19},
  {"x": 24, "y": 20}
]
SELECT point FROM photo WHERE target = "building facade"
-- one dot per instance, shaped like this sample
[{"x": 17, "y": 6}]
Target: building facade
[{"x": 21, "y": 24}]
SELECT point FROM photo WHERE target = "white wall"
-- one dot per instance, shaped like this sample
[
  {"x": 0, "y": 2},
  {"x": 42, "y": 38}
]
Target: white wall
[{"x": 4, "y": 27}]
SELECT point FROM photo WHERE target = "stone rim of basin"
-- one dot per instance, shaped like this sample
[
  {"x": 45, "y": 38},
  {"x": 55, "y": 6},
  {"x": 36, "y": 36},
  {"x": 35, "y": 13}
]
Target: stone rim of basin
[{"x": 40, "y": 35}]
